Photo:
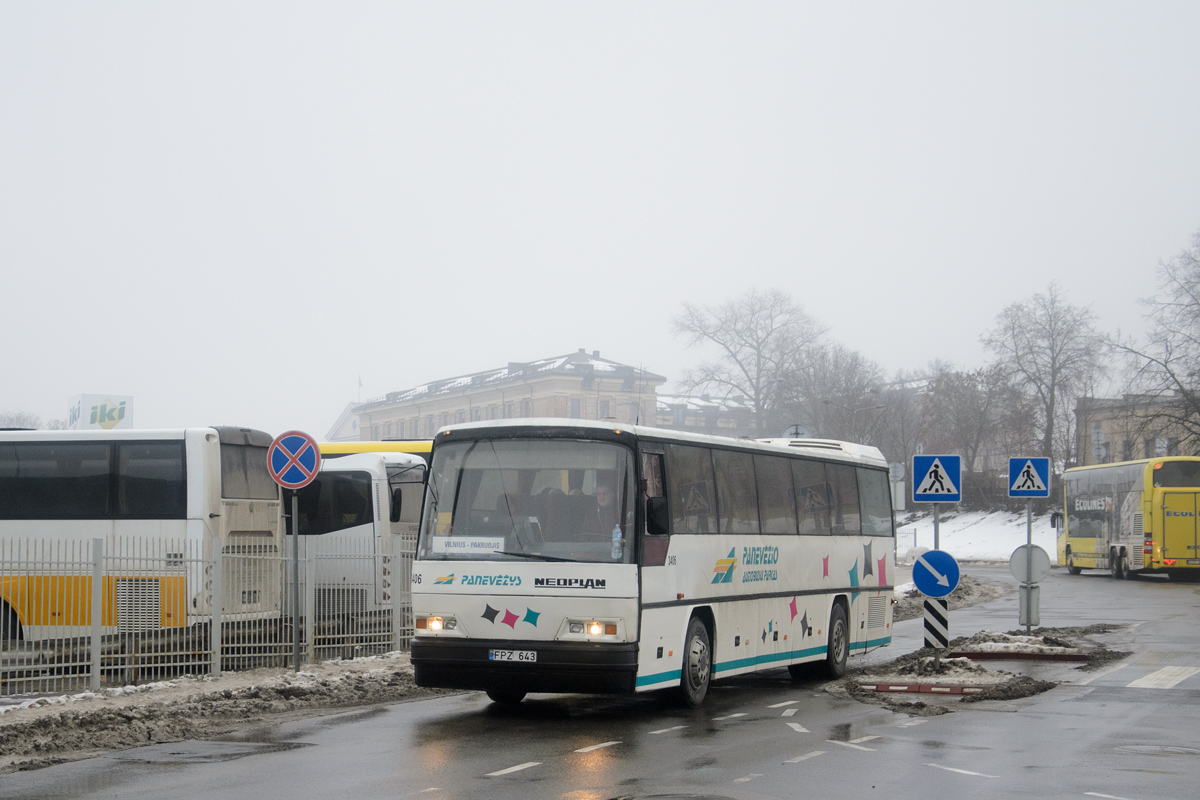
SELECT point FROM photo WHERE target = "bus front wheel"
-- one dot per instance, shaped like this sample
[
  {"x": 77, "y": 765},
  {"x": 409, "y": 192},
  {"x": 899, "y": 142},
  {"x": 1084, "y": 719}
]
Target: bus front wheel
[
  {"x": 505, "y": 698},
  {"x": 1071, "y": 568},
  {"x": 697, "y": 664},
  {"x": 838, "y": 649}
]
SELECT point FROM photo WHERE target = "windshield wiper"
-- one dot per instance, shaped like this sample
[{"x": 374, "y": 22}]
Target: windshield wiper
[{"x": 535, "y": 556}]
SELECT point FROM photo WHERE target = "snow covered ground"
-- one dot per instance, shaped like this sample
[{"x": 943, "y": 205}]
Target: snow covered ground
[{"x": 977, "y": 535}]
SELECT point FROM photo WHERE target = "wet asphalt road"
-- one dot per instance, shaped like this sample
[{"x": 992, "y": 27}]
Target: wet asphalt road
[{"x": 763, "y": 736}]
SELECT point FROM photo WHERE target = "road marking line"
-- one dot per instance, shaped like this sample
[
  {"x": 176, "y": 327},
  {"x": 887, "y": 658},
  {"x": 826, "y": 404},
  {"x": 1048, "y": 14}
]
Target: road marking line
[
  {"x": 785, "y": 703},
  {"x": 791, "y": 712},
  {"x": 798, "y": 728},
  {"x": 748, "y": 778},
  {"x": 862, "y": 739},
  {"x": 729, "y": 716},
  {"x": 1101, "y": 674},
  {"x": 1165, "y": 678},
  {"x": 517, "y": 768},
  {"x": 805, "y": 757},
  {"x": 962, "y": 771},
  {"x": 595, "y": 747},
  {"x": 849, "y": 744},
  {"x": 1109, "y": 796},
  {"x": 668, "y": 730},
  {"x": 912, "y": 723}
]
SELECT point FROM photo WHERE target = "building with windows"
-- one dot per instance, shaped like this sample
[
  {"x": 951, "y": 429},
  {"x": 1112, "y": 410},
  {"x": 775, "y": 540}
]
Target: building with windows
[
  {"x": 731, "y": 416},
  {"x": 578, "y": 386},
  {"x": 1110, "y": 429}
]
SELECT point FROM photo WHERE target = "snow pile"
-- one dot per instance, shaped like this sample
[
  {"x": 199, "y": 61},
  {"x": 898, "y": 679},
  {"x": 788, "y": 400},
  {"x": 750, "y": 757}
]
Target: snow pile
[
  {"x": 977, "y": 535},
  {"x": 993, "y": 642},
  {"x": 187, "y": 685},
  {"x": 943, "y": 672}
]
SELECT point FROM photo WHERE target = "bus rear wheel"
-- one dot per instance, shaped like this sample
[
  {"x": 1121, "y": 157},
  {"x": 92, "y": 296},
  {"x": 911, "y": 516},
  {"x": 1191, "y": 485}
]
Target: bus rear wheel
[
  {"x": 838, "y": 649},
  {"x": 1120, "y": 567},
  {"x": 697, "y": 664},
  {"x": 10, "y": 625}
]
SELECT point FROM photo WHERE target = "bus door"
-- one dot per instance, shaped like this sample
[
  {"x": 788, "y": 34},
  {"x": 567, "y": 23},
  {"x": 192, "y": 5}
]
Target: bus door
[
  {"x": 1179, "y": 527},
  {"x": 404, "y": 488}
]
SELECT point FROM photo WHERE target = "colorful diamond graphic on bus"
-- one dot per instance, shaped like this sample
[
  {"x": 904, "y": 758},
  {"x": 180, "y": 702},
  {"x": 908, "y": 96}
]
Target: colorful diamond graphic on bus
[
  {"x": 444, "y": 580},
  {"x": 723, "y": 571}
]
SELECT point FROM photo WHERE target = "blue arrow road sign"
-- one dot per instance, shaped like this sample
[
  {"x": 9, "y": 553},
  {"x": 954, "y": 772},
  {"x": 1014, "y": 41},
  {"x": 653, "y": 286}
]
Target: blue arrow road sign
[
  {"x": 1029, "y": 477},
  {"x": 937, "y": 479},
  {"x": 935, "y": 573},
  {"x": 293, "y": 459}
]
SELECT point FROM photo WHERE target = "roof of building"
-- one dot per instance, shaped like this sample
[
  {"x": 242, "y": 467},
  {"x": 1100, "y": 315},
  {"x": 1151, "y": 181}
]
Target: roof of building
[
  {"x": 579, "y": 363},
  {"x": 704, "y": 402}
]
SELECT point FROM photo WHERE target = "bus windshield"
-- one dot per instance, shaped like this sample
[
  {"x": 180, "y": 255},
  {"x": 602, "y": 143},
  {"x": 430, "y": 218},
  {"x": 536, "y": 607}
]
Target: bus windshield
[
  {"x": 1173, "y": 474},
  {"x": 530, "y": 499}
]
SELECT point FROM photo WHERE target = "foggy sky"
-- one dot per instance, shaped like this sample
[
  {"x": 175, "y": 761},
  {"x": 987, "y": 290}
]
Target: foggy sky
[{"x": 232, "y": 213}]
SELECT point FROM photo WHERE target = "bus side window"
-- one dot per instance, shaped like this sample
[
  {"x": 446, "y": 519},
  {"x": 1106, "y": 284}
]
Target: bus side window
[
  {"x": 845, "y": 499},
  {"x": 652, "y": 485},
  {"x": 692, "y": 490},
  {"x": 812, "y": 496}
]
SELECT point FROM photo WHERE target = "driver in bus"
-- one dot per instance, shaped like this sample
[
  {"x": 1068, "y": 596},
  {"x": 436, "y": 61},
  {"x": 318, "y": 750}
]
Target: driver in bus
[{"x": 601, "y": 519}]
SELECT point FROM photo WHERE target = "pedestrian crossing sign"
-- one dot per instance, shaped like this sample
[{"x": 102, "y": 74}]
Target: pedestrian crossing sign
[
  {"x": 937, "y": 479},
  {"x": 1029, "y": 477}
]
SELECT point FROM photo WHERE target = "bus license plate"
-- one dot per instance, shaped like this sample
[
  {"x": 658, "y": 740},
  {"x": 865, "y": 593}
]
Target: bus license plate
[
  {"x": 1192, "y": 561},
  {"x": 512, "y": 655}
]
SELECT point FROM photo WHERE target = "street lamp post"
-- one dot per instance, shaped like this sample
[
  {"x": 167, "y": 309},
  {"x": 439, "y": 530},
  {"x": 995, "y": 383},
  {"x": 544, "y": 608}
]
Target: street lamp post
[{"x": 853, "y": 414}]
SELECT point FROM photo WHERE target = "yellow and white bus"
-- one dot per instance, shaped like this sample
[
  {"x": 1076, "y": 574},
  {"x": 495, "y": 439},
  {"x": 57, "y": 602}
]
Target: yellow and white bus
[
  {"x": 568, "y": 555},
  {"x": 419, "y": 447},
  {"x": 1135, "y": 517},
  {"x": 161, "y": 501},
  {"x": 353, "y": 515}
]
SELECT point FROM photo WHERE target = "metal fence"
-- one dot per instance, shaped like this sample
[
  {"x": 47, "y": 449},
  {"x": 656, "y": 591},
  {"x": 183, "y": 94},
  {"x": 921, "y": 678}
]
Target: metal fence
[{"x": 166, "y": 607}]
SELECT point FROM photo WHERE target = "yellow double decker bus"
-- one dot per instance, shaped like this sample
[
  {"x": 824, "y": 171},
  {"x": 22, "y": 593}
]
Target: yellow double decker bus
[{"x": 1135, "y": 517}]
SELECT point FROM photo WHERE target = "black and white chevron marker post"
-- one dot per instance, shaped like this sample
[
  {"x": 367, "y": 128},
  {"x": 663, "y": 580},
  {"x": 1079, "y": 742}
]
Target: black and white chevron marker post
[{"x": 937, "y": 622}]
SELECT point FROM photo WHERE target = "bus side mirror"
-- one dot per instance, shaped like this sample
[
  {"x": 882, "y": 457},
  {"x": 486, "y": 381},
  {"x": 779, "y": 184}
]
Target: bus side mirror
[
  {"x": 656, "y": 516},
  {"x": 396, "y": 497},
  {"x": 1055, "y": 519}
]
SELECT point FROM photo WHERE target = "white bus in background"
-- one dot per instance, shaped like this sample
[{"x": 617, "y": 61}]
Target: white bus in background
[
  {"x": 353, "y": 515},
  {"x": 579, "y": 556},
  {"x": 161, "y": 501}
]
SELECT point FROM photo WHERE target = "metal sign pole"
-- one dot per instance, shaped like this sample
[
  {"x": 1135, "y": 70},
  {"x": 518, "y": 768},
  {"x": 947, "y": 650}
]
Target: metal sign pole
[
  {"x": 296, "y": 580},
  {"x": 937, "y": 535},
  {"x": 1029, "y": 561}
]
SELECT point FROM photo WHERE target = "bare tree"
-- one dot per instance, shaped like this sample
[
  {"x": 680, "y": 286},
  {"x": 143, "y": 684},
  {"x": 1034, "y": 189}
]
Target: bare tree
[
  {"x": 833, "y": 391},
  {"x": 1050, "y": 349},
  {"x": 19, "y": 419},
  {"x": 904, "y": 425},
  {"x": 761, "y": 337},
  {"x": 967, "y": 410},
  {"x": 1168, "y": 364}
]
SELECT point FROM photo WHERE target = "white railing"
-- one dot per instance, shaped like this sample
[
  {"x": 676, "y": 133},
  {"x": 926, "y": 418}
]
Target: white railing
[{"x": 167, "y": 607}]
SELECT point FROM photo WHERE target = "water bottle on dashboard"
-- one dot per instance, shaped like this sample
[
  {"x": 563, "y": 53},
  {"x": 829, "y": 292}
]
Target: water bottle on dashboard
[{"x": 616, "y": 541}]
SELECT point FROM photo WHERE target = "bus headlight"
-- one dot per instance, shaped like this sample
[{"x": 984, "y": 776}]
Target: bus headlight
[
  {"x": 591, "y": 627},
  {"x": 436, "y": 624}
]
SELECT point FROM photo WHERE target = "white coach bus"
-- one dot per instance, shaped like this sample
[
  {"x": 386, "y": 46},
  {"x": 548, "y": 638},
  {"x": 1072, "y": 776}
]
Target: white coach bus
[
  {"x": 575, "y": 556},
  {"x": 162, "y": 501},
  {"x": 352, "y": 515}
]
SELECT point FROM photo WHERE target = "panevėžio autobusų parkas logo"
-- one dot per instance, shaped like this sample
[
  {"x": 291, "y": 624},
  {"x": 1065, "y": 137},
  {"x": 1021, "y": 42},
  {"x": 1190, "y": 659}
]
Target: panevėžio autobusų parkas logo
[
  {"x": 723, "y": 571},
  {"x": 444, "y": 580}
]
